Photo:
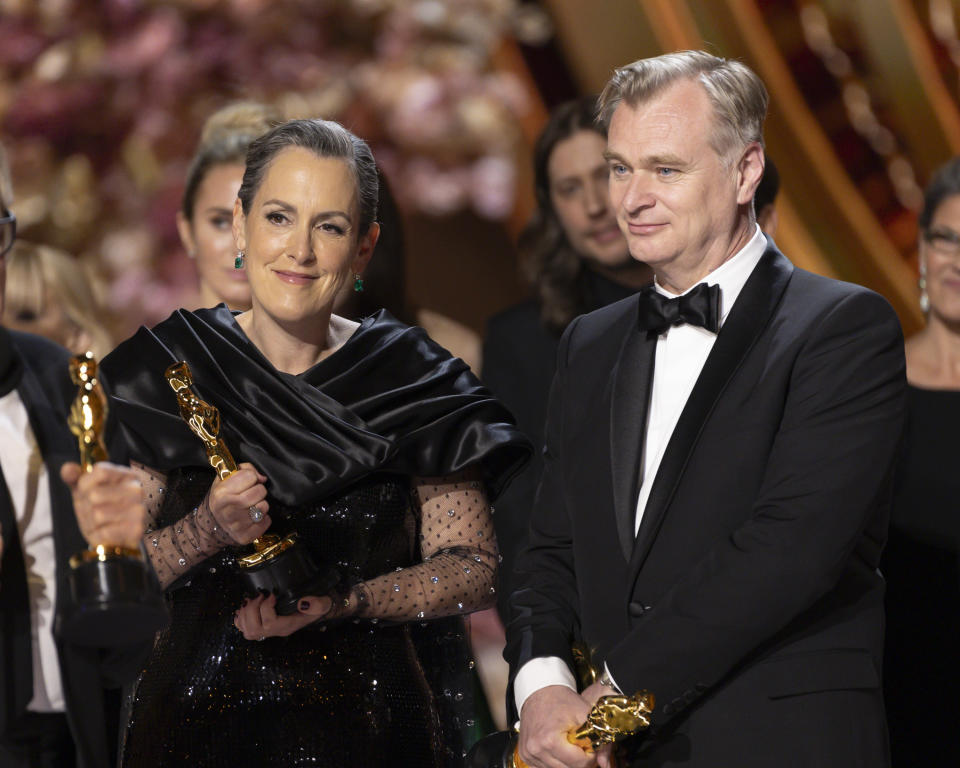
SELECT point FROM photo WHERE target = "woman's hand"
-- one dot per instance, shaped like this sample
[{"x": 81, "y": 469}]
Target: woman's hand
[
  {"x": 108, "y": 501},
  {"x": 237, "y": 502},
  {"x": 257, "y": 619}
]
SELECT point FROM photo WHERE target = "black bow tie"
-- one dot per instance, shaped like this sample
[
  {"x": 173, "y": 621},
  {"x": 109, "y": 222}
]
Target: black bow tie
[{"x": 700, "y": 307}]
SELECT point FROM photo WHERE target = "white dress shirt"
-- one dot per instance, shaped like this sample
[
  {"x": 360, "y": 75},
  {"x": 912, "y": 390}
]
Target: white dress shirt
[
  {"x": 681, "y": 353},
  {"x": 26, "y": 478}
]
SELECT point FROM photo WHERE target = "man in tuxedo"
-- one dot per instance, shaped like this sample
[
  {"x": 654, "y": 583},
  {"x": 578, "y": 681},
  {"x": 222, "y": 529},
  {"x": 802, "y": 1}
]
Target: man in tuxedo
[
  {"x": 717, "y": 465},
  {"x": 53, "y": 707}
]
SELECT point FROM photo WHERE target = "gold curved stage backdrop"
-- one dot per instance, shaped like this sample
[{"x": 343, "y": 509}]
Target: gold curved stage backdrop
[{"x": 864, "y": 107}]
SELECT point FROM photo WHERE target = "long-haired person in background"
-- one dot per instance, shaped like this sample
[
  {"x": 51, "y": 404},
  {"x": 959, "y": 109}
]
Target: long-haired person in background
[
  {"x": 206, "y": 215},
  {"x": 47, "y": 293},
  {"x": 576, "y": 260},
  {"x": 368, "y": 439},
  {"x": 922, "y": 559}
]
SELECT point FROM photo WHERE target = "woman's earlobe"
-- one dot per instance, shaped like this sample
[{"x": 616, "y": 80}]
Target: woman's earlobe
[{"x": 239, "y": 222}]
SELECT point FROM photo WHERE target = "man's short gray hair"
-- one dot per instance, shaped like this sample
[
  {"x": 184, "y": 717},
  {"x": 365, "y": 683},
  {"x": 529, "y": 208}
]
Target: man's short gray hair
[{"x": 738, "y": 96}]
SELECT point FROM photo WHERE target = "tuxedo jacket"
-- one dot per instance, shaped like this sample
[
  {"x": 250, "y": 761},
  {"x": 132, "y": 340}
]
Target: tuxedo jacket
[
  {"x": 749, "y": 603},
  {"x": 46, "y": 391}
]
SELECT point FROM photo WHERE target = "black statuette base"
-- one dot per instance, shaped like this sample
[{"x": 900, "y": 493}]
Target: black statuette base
[
  {"x": 289, "y": 575},
  {"x": 114, "y": 603}
]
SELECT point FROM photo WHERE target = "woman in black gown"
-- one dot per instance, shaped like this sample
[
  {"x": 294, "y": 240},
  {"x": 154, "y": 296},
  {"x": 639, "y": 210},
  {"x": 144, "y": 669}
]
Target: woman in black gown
[
  {"x": 366, "y": 438},
  {"x": 922, "y": 560}
]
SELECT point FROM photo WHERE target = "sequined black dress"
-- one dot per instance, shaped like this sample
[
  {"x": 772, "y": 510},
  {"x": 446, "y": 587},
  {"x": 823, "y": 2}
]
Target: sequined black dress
[{"x": 390, "y": 688}]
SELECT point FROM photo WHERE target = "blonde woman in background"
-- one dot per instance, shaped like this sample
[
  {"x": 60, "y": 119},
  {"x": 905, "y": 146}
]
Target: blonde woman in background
[
  {"x": 47, "y": 293},
  {"x": 206, "y": 215}
]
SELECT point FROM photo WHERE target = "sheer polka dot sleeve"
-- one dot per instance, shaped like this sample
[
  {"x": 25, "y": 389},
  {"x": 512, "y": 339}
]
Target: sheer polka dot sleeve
[
  {"x": 175, "y": 549},
  {"x": 459, "y": 557}
]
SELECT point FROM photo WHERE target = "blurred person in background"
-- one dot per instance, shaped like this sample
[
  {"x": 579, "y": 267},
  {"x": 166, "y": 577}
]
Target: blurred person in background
[
  {"x": 47, "y": 293},
  {"x": 922, "y": 560},
  {"x": 206, "y": 215},
  {"x": 58, "y": 702},
  {"x": 576, "y": 260}
]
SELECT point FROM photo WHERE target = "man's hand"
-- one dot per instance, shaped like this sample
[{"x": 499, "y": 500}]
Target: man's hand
[
  {"x": 605, "y": 757},
  {"x": 596, "y": 691},
  {"x": 108, "y": 502},
  {"x": 548, "y": 714}
]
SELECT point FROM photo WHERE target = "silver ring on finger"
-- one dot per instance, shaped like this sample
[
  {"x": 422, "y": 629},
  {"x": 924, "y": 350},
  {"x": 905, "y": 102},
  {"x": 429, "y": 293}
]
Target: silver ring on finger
[{"x": 255, "y": 514}]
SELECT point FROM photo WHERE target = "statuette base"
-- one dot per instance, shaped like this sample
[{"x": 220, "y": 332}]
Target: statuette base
[
  {"x": 284, "y": 568},
  {"x": 115, "y": 601}
]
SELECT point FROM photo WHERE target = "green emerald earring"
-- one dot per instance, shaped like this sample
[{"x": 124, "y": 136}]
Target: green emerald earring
[
  {"x": 238, "y": 261},
  {"x": 357, "y": 283}
]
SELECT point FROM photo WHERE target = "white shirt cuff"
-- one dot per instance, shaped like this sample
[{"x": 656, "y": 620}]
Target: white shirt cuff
[{"x": 539, "y": 673}]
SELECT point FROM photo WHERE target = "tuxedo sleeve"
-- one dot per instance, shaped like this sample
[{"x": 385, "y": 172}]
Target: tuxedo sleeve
[
  {"x": 826, "y": 479},
  {"x": 544, "y": 605}
]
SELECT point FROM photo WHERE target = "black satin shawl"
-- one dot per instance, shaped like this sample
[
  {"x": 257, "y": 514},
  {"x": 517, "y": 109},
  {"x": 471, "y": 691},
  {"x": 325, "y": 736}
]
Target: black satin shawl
[{"x": 389, "y": 400}]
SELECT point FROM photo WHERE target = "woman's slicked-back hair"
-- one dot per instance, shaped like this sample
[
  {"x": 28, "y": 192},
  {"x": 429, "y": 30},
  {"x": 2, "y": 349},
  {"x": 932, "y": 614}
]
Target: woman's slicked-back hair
[
  {"x": 945, "y": 183},
  {"x": 325, "y": 138},
  {"x": 226, "y": 137},
  {"x": 551, "y": 265},
  {"x": 739, "y": 98}
]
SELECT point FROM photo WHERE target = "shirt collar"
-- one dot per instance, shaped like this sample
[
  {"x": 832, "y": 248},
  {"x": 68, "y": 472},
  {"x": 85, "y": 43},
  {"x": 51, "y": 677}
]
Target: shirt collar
[{"x": 732, "y": 275}]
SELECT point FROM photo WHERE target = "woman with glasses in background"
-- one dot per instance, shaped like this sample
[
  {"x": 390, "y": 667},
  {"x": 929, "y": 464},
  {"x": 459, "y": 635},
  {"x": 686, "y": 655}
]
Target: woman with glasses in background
[{"x": 922, "y": 665}]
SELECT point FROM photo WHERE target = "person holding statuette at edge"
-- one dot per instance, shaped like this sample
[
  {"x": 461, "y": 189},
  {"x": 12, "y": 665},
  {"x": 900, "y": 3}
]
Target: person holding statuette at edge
[
  {"x": 58, "y": 698},
  {"x": 370, "y": 442},
  {"x": 717, "y": 467}
]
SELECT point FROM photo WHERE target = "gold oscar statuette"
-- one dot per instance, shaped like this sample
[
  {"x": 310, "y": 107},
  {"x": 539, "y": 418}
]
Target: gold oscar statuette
[
  {"x": 277, "y": 563},
  {"x": 116, "y": 601},
  {"x": 612, "y": 719}
]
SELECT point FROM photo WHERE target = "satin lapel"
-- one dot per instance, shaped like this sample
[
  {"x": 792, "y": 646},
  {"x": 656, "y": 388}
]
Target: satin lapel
[
  {"x": 628, "y": 421},
  {"x": 746, "y": 321}
]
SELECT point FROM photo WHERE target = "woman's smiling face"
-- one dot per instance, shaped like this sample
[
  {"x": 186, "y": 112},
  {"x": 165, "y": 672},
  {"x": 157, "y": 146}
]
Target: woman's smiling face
[{"x": 301, "y": 235}]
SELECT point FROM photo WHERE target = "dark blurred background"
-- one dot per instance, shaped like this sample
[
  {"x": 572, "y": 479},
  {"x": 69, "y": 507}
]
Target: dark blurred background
[{"x": 101, "y": 103}]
